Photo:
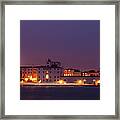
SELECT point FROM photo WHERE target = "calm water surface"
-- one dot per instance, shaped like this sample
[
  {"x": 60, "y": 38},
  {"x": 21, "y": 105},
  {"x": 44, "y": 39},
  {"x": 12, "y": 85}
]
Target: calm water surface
[{"x": 59, "y": 93}]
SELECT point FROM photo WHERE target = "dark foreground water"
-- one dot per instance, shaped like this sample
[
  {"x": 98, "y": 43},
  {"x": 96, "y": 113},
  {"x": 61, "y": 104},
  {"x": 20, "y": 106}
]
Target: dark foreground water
[{"x": 59, "y": 93}]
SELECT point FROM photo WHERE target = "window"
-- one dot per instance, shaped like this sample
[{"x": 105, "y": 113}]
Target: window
[
  {"x": 57, "y": 76},
  {"x": 58, "y": 72},
  {"x": 54, "y": 76}
]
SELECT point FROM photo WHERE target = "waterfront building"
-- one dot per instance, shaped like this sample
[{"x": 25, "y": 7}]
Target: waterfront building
[
  {"x": 51, "y": 72},
  {"x": 94, "y": 73},
  {"x": 90, "y": 73},
  {"x": 72, "y": 72},
  {"x": 29, "y": 73}
]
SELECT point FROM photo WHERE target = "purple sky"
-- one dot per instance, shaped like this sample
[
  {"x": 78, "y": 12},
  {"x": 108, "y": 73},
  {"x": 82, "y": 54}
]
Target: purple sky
[{"x": 75, "y": 43}]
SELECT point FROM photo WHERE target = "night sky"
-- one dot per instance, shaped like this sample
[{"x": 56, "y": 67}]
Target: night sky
[{"x": 75, "y": 43}]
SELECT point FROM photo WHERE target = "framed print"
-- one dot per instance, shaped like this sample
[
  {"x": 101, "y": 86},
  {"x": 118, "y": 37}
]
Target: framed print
[
  {"x": 60, "y": 59},
  {"x": 60, "y": 80}
]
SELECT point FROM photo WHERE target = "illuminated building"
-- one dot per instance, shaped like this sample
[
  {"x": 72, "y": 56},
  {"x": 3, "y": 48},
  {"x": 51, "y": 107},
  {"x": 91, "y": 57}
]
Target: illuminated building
[
  {"x": 51, "y": 72},
  {"x": 72, "y": 72},
  {"x": 29, "y": 74},
  {"x": 90, "y": 73},
  {"x": 96, "y": 82}
]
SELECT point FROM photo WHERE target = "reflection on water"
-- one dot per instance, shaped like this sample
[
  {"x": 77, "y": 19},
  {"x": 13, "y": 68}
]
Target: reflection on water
[{"x": 60, "y": 93}]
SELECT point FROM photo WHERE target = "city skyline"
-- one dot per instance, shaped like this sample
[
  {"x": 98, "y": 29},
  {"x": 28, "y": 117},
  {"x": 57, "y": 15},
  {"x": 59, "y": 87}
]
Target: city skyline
[{"x": 75, "y": 43}]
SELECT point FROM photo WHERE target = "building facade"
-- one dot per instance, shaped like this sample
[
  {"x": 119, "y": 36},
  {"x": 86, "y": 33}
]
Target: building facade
[
  {"x": 51, "y": 72},
  {"x": 72, "y": 72}
]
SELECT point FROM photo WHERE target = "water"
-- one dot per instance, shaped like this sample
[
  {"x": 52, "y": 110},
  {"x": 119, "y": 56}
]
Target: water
[{"x": 60, "y": 92}]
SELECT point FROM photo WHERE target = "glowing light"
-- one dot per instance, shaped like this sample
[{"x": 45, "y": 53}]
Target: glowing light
[
  {"x": 22, "y": 81},
  {"x": 34, "y": 79},
  {"x": 65, "y": 70},
  {"x": 61, "y": 82},
  {"x": 80, "y": 82},
  {"x": 26, "y": 79},
  {"x": 98, "y": 81},
  {"x": 40, "y": 81},
  {"x": 30, "y": 77},
  {"x": 86, "y": 74},
  {"x": 47, "y": 76},
  {"x": 65, "y": 74},
  {"x": 65, "y": 83}
]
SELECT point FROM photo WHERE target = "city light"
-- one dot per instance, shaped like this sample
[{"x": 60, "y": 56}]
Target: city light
[
  {"x": 26, "y": 79},
  {"x": 94, "y": 80},
  {"x": 61, "y": 82},
  {"x": 55, "y": 73},
  {"x": 84, "y": 80},
  {"x": 47, "y": 76},
  {"x": 30, "y": 77},
  {"x": 80, "y": 82},
  {"x": 34, "y": 79},
  {"x": 97, "y": 82},
  {"x": 40, "y": 81}
]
